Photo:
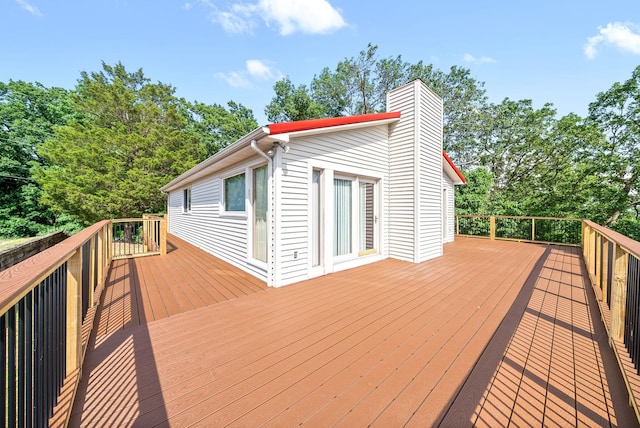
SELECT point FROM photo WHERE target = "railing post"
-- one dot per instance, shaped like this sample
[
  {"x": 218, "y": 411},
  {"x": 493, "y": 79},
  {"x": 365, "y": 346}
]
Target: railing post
[
  {"x": 101, "y": 255},
  {"x": 457, "y": 225},
  {"x": 492, "y": 228},
  {"x": 74, "y": 311},
  {"x": 163, "y": 235},
  {"x": 92, "y": 270},
  {"x": 584, "y": 241},
  {"x": 619, "y": 292},
  {"x": 533, "y": 229},
  {"x": 598, "y": 254},
  {"x": 604, "y": 268}
]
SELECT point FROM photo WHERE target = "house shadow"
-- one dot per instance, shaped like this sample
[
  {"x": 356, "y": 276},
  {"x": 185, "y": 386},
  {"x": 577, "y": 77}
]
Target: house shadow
[{"x": 120, "y": 380}]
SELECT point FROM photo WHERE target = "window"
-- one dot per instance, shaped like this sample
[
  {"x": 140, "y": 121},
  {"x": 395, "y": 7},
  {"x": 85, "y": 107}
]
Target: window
[
  {"x": 260, "y": 206},
  {"x": 234, "y": 193},
  {"x": 186, "y": 200}
]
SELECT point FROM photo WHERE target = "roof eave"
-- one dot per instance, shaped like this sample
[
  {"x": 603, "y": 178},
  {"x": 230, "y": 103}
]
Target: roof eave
[
  {"x": 192, "y": 174},
  {"x": 452, "y": 170}
]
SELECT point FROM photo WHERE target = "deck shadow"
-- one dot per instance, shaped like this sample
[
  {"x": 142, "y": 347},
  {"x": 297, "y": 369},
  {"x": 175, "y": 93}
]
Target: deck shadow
[
  {"x": 549, "y": 383},
  {"x": 113, "y": 366},
  {"x": 462, "y": 406}
]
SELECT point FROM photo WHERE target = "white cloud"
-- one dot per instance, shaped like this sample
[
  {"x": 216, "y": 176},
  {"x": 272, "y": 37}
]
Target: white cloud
[
  {"x": 29, "y": 7},
  {"x": 260, "y": 70},
  {"x": 306, "y": 16},
  {"x": 235, "y": 79},
  {"x": 288, "y": 16},
  {"x": 255, "y": 70},
  {"x": 482, "y": 60},
  {"x": 618, "y": 34}
]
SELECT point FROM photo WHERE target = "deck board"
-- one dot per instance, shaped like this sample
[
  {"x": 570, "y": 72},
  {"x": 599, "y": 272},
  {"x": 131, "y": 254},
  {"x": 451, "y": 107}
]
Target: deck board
[{"x": 491, "y": 334}]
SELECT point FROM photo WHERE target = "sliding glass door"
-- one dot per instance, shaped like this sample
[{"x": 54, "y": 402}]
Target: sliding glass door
[
  {"x": 342, "y": 221},
  {"x": 260, "y": 207},
  {"x": 355, "y": 216}
]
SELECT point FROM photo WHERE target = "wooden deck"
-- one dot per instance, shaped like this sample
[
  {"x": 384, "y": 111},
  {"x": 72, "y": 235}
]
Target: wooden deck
[{"x": 492, "y": 334}]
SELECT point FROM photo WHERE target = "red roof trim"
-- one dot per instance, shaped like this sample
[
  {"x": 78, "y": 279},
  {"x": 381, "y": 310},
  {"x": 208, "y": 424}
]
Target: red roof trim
[
  {"x": 307, "y": 125},
  {"x": 455, "y": 168}
]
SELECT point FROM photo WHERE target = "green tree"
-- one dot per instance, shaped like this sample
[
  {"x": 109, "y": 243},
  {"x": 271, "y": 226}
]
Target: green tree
[
  {"x": 360, "y": 84},
  {"x": 616, "y": 112},
  {"x": 131, "y": 139},
  {"x": 217, "y": 127},
  {"x": 28, "y": 113},
  {"x": 292, "y": 103}
]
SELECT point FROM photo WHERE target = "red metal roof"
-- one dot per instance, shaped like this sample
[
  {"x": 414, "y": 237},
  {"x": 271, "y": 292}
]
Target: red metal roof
[
  {"x": 306, "y": 125},
  {"x": 455, "y": 168}
]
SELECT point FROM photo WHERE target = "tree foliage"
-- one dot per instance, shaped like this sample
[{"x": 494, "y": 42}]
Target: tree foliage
[
  {"x": 130, "y": 140},
  {"x": 292, "y": 103},
  {"x": 359, "y": 85},
  {"x": 616, "y": 112},
  {"x": 28, "y": 113},
  {"x": 217, "y": 127}
]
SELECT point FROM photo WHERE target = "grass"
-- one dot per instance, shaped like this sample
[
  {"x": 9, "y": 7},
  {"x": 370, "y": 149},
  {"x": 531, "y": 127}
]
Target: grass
[{"x": 5, "y": 244}]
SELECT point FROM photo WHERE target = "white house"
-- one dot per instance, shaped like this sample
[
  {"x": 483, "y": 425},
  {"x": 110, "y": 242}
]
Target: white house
[{"x": 291, "y": 201}]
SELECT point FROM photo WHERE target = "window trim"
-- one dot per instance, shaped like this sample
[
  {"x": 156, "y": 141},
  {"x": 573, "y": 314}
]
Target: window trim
[
  {"x": 186, "y": 200},
  {"x": 223, "y": 196},
  {"x": 251, "y": 217}
]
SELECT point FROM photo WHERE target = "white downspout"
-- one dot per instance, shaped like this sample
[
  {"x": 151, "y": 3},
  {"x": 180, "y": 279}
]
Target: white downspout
[{"x": 270, "y": 252}]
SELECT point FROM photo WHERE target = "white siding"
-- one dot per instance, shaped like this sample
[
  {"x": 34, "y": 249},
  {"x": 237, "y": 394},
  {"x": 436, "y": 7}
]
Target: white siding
[
  {"x": 451, "y": 208},
  {"x": 415, "y": 145},
  {"x": 224, "y": 236},
  {"x": 401, "y": 217},
  {"x": 360, "y": 152},
  {"x": 430, "y": 173}
]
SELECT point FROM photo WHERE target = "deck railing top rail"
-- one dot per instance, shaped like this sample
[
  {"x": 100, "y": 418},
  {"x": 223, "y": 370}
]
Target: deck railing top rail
[
  {"x": 627, "y": 244},
  {"x": 47, "y": 308},
  {"x": 545, "y": 230},
  {"x": 18, "y": 280}
]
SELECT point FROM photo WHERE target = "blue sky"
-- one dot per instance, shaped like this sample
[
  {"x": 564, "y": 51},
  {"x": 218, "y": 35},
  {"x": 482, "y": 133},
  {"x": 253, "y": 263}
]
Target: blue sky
[{"x": 561, "y": 52}]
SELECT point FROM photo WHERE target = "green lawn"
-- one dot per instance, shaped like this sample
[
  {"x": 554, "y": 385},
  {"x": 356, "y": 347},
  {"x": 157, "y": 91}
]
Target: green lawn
[{"x": 5, "y": 244}]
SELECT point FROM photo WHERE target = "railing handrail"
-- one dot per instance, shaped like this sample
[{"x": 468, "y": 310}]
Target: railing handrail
[
  {"x": 47, "y": 310},
  {"x": 626, "y": 243},
  {"x": 19, "y": 279},
  {"x": 517, "y": 216},
  {"x": 535, "y": 231}
]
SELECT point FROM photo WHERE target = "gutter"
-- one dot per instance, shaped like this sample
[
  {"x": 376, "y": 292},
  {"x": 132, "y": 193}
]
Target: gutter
[{"x": 270, "y": 226}]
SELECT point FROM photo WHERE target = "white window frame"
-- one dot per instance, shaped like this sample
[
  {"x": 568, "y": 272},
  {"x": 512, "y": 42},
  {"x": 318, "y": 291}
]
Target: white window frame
[
  {"x": 355, "y": 217},
  {"x": 186, "y": 200},
  {"x": 250, "y": 172},
  {"x": 223, "y": 196}
]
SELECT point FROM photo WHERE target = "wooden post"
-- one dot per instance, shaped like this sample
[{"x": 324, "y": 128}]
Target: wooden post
[
  {"x": 618, "y": 293},
  {"x": 163, "y": 236},
  {"x": 492, "y": 228},
  {"x": 533, "y": 229},
  {"x": 92, "y": 270},
  {"x": 110, "y": 242},
  {"x": 585, "y": 248},
  {"x": 604, "y": 268},
  {"x": 598, "y": 253},
  {"x": 457, "y": 225},
  {"x": 101, "y": 262},
  {"x": 74, "y": 311}
]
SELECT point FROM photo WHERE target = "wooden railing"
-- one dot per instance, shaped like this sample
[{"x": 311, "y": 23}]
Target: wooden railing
[
  {"x": 47, "y": 307},
  {"x": 133, "y": 237},
  {"x": 613, "y": 264},
  {"x": 548, "y": 230}
]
